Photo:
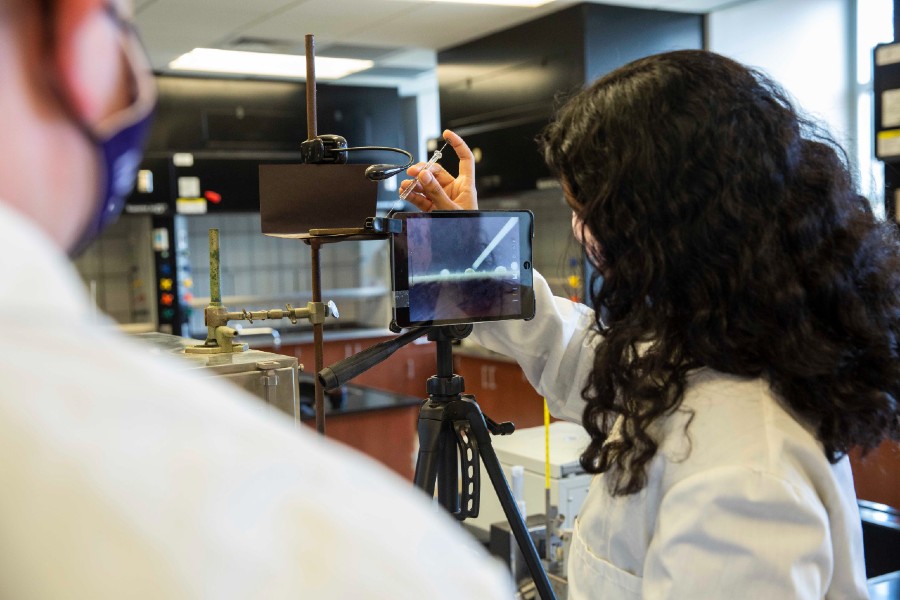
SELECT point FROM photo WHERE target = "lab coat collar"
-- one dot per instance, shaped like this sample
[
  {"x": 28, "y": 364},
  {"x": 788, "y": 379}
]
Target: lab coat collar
[{"x": 37, "y": 281}]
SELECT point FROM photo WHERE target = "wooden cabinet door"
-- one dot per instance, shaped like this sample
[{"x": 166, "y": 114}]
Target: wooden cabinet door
[
  {"x": 404, "y": 372},
  {"x": 387, "y": 435},
  {"x": 502, "y": 391},
  {"x": 877, "y": 476}
]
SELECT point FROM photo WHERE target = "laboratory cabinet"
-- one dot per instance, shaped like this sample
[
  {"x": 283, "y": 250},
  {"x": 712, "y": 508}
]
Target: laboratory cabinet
[
  {"x": 377, "y": 423},
  {"x": 376, "y": 413},
  {"x": 387, "y": 432},
  {"x": 405, "y": 372},
  {"x": 877, "y": 475},
  {"x": 500, "y": 388}
]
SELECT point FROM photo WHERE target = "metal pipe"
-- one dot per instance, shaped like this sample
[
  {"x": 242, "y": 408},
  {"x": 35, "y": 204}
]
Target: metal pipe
[
  {"x": 272, "y": 313},
  {"x": 312, "y": 132},
  {"x": 318, "y": 332},
  {"x": 215, "y": 287},
  {"x": 311, "y": 124}
]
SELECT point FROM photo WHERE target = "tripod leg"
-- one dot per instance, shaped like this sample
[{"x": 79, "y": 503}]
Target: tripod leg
[
  {"x": 513, "y": 516},
  {"x": 429, "y": 430},
  {"x": 448, "y": 481},
  {"x": 438, "y": 461}
]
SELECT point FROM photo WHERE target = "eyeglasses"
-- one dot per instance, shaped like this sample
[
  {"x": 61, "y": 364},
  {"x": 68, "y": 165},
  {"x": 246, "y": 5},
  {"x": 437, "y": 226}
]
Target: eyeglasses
[
  {"x": 143, "y": 90},
  {"x": 122, "y": 22},
  {"x": 129, "y": 28}
]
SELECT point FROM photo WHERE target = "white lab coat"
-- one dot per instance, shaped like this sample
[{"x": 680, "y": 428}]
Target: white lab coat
[
  {"x": 123, "y": 476},
  {"x": 745, "y": 506}
]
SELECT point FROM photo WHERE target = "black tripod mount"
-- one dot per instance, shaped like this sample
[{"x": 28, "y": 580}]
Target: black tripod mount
[{"x": 454, "y": 436}]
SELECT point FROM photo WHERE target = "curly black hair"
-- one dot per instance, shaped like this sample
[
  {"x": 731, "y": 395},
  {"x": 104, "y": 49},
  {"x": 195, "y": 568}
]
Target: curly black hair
[{"x": 729, "y": 235}]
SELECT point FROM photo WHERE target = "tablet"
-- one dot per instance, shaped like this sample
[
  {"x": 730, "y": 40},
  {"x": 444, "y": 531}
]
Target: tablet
[{"x": 462, "y": 266}]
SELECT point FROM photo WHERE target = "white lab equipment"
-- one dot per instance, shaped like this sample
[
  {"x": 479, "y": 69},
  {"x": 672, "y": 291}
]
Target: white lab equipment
[{"x": 568, "y": 482}]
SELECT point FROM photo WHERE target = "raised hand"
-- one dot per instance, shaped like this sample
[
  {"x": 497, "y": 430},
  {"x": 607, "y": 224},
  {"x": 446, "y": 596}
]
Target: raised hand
[{"x": 439, "y": 190}]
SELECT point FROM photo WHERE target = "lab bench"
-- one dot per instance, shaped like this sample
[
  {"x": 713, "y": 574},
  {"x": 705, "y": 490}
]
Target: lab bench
[
  {"x": 377, "y": 412},
  {"x": 405, "y": 372},
  {"x": 377, "y": 423},
  {"x": 380, "y": 411}
]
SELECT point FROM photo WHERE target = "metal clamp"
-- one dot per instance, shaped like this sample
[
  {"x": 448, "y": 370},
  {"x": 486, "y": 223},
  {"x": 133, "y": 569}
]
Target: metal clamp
[{"x": 216, "y": 316}]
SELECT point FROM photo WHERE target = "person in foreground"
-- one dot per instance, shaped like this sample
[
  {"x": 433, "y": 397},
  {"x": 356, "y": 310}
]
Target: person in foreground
[
  {"x": 122, "y": 476},
  {"x": 746, "y": 340}
]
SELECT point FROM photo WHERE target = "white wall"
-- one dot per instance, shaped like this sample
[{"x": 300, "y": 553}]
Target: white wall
[
  {"x": 805, "y": 45},
  {"x": 429, "y": 113}
]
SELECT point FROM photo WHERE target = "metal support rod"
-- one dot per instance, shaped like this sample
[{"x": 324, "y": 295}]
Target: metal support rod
[
  {"x": 548, "y": 528},
  {"x": 311, "y": 124},
  {"x": 444, "y": 360},
  {"x": 318, "y": 341},
  {"x": 312, "y": 132},
  {"x": 215, "y": 287}
]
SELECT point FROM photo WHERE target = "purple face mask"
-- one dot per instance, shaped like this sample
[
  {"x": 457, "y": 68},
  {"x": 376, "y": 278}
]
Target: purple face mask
[{"x": 120, "y": 139}]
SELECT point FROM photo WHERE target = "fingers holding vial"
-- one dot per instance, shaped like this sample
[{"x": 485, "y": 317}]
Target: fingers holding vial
[
  {"x": 428, "y": 193},
  {"x": 424, "y": 191},
  {"x": 436, "y": 189}
]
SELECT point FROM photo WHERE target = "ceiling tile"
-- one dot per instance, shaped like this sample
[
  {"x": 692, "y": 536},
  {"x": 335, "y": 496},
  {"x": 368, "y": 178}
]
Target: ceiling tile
[{"x": 392, "y": 31}]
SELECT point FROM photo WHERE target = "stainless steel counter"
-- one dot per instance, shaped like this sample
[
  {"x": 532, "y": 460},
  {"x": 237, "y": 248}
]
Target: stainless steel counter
[
  {"x": 271, "y": 377},
  {"x": 275, "y": 378},
  {"x": 270, "y": 338}
]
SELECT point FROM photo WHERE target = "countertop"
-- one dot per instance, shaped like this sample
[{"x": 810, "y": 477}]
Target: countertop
[
  {"x": 219, "y": 364},
  {"x": 266, "y": 338},
  {"x": 350, "y": 399}
]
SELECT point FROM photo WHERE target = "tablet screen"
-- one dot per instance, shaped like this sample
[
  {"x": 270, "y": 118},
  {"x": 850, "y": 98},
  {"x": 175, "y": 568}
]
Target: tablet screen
[{"x": 463, "y": 267}]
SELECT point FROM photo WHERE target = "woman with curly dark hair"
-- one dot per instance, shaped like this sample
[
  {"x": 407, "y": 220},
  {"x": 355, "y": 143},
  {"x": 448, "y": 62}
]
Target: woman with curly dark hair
[{"x": 748, "y": 340}]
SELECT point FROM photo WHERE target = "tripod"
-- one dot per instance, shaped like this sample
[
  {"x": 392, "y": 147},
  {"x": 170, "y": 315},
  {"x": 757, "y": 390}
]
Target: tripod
[{"x": 453, "y": 435}]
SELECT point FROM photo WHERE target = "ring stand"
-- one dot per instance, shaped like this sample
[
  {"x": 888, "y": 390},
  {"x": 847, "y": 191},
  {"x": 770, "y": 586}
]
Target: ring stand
[{"x": 454, "y": 435}]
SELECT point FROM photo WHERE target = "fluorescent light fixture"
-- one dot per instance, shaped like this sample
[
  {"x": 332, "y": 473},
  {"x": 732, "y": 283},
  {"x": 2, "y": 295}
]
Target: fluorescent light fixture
[
  {"x": 211, "y": 60},
  {"x": 528, "y": 3}
]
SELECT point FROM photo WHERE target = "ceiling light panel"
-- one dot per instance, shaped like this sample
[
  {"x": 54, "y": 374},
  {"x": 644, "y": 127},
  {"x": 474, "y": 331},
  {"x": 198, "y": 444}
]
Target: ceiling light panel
[
  {"x": 293, "y": 66},
  {"x": 526, "y": 3}
]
